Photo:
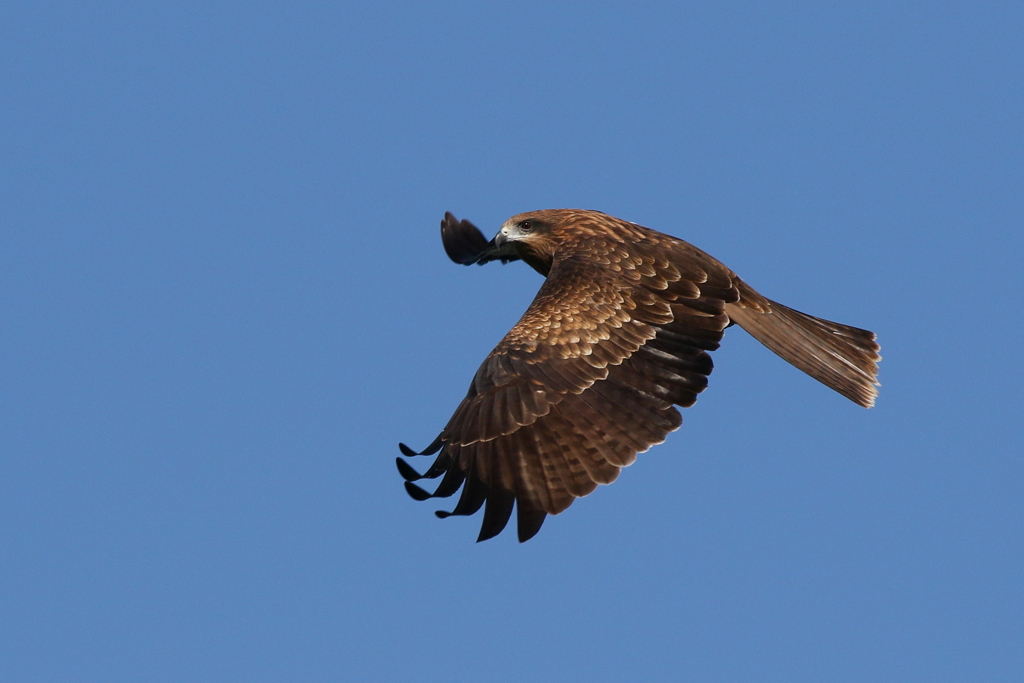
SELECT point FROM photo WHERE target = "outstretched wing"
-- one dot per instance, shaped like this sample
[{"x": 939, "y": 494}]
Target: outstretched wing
[
  {"x": 590, "y": 376},
  {"x": 463, "y": 241}
]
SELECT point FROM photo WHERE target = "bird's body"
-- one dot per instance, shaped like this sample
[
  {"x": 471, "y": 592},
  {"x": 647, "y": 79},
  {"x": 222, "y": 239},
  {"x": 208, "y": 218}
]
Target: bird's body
[{"x": 617, "y": 336}]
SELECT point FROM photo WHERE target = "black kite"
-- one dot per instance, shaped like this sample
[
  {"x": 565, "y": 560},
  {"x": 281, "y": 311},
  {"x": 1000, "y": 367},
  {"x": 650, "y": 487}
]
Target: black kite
[{"x": 617, "y": 336}]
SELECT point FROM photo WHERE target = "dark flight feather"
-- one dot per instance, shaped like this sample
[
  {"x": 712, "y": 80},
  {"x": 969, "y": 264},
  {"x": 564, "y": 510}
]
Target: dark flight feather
[{"x": 462, "y": 241}]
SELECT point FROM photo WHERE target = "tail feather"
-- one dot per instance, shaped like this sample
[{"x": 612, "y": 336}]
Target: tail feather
[{"x": 841, "y": 357}]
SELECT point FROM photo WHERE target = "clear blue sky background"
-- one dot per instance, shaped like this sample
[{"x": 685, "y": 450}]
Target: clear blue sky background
[{"x": 223, "y": 301}]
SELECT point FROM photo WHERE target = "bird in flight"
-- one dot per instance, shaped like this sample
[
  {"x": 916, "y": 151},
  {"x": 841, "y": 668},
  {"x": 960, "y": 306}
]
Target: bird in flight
[{"x": 591, "y": 375}]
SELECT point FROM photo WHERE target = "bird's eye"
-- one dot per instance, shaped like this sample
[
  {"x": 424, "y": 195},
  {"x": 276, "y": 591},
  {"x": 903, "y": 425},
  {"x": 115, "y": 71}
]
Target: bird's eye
[{"x": 525, "y": 226}]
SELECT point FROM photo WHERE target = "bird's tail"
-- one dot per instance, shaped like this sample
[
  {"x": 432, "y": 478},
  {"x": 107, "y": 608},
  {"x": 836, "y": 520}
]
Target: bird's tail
[{"x": 841, "y": 357}]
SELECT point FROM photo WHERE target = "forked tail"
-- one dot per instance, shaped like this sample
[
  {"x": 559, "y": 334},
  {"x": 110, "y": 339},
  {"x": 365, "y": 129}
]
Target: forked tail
[{"x": 841, "y": 357}]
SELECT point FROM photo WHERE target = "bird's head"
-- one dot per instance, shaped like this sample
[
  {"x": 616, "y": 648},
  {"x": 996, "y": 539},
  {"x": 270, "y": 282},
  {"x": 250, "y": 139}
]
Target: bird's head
[
  {"x": 550, "y": 226},
  {"x": 532, "y": 236},
  {"x": 537, "y": 237},
  {"x": 528, "y": 228}
]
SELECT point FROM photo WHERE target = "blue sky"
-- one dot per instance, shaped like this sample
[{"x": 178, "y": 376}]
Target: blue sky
[{"x": 224, "y": 301}]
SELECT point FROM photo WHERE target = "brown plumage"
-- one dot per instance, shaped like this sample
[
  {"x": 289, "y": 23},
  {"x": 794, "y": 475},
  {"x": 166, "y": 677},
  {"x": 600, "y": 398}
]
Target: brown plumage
[{"x": 617, "y": 336}]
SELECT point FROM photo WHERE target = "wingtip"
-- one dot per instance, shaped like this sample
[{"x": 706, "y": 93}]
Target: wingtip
[
  {"x": 415, "y": 492},
  {"x": 407, "y": 471},
  {"x": 528, "y": 523},
  {"x": 434, "y": 447},
  {"x": 497, "y": 511},
  {"x": 463, "y": 242}
]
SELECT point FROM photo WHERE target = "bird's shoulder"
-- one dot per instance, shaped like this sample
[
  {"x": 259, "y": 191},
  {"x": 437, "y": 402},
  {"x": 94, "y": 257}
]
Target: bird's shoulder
[{"x": 611, "y": 285}]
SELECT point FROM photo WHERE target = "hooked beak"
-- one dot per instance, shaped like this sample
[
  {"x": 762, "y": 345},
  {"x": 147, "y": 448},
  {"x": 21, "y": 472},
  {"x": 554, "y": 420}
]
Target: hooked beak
[
  {"x": 500, "y": 248},
  {"x": 465, "y": 244}
]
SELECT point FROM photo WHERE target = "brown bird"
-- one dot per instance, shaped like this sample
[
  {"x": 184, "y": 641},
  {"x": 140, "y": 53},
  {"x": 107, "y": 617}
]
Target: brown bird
[{"x": 617, "y": 336}]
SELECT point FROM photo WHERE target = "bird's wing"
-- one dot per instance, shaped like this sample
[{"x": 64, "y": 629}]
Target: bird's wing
[
  {"x": 589, "y": 377},
  {"x": 463, "y": 241}
]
